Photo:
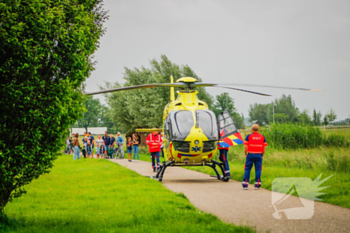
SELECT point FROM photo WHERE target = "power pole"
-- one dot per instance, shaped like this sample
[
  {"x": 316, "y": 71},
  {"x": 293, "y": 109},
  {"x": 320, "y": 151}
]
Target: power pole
[{"x": 273, "y": 113}]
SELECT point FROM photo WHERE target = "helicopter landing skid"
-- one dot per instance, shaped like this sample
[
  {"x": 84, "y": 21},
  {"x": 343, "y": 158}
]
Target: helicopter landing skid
[
  {"x": 221, "y": 166},
  {"x": 161, "y": 170}
]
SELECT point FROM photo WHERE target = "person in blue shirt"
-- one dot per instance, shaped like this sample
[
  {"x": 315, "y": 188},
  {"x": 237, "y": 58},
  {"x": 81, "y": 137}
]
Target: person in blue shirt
[
  {"x": 106, "y": 142},
  {"x": 120, "y": 143}
]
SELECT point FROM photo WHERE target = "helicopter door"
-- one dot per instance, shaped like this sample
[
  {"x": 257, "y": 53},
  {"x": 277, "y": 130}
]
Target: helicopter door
[{"x": 226, "y": 125}]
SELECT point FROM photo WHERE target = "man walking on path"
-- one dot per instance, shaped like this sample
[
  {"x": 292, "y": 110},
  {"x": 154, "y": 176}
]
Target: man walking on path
[
  {"x": 120, "y": 142},
  {"x": 106, "y": 142},
  {"x": 154, "y": 142},
  {"x": 254, "y": 149}
]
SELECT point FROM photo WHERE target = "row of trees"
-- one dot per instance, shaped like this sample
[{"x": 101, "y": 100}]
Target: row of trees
[
  {"x": 284, "y": 110},
  {"x": 143, "y": 108}
]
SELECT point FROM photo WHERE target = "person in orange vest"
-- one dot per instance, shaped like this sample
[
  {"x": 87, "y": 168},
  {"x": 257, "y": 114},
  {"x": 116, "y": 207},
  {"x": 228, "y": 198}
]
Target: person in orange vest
[
  {"x": 154, "y": 142},
  {"x": 254, "y": 149},
  {"x": 223, "y": 156}
]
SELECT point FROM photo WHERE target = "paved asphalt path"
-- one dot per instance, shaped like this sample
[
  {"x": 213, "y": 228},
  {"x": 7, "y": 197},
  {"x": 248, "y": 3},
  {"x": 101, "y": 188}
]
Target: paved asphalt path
[{"x": 232, "y": 204}]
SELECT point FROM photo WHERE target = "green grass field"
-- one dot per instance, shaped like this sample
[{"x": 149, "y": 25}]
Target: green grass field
[
  {"x": 90, "y": 195},
  {"x": 295, "y": 163}
]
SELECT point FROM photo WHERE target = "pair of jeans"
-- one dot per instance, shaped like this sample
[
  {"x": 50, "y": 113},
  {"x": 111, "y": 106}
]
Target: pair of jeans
[
  {"x": 76, "y": 153},
  {"x": 136, "y": 151},
  {"x": 223, "y": 158},
  {"x": 121, "y": 151},
  {"x": 155, "y": 155},
  {"x": 257, "y": 160}
]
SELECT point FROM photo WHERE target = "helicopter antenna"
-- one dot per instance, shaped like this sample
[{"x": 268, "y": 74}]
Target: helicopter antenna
[{"x": 172, "y": 92}]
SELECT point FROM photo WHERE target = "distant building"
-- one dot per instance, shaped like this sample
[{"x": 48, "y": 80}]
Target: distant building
[{"x": 93, "y": 130}]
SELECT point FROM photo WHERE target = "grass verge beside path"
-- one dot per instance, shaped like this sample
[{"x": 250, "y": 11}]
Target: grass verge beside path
[
  {"x": 90, "y": 195},
  {"x": 295, "y": 163}
]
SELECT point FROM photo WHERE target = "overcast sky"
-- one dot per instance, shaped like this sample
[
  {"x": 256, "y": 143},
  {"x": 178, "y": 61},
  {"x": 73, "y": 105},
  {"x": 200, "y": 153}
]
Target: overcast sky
[{"x": 288, "y": 43}]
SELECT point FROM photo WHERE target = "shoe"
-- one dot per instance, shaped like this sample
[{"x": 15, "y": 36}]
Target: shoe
[
  {"x": 138, "y": 161},
  {"x": 154, "y": 170},
  {"x": 256, "y": 188},
  {"x": 245, "y": 188}
]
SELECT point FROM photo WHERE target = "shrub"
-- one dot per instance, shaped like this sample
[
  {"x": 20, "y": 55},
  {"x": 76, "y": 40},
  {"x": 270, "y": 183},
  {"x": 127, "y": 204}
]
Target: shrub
[
  {"x": 288, "y": 136},
  {"x": 46, "y": 48}
]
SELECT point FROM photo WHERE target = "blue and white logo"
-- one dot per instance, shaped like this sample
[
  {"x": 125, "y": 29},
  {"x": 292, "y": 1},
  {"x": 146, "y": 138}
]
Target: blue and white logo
[{"x": 196, "y": 148}]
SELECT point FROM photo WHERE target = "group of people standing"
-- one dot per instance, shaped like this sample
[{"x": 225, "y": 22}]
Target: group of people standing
[
  {"x": 106, "y": 146},
  {"x": 254, "y": 149}
]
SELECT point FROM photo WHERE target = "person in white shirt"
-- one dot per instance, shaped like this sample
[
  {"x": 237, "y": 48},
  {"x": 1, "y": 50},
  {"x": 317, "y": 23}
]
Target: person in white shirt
[{"x": 99, "y": 147}]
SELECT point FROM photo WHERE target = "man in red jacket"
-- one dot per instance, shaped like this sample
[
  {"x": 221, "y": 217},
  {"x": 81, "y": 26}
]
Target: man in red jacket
[
  {"x": 254, "y": 149},
  {"x": 154, "y": 142}
]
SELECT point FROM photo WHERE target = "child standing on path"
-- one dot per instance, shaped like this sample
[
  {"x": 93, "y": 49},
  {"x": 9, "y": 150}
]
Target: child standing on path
[
  {"x": 129, "y": 148},
  {"x": 99, "y": 147},
  {"x": 135, "y": 143}
]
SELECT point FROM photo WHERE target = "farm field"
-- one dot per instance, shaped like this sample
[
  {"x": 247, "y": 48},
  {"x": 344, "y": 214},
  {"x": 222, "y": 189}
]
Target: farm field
[{"x": 90, "y": 195}]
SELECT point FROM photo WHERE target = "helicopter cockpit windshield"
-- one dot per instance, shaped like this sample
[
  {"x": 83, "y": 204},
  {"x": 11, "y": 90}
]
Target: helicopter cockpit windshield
[
  {"x": 178, "y": 125},
  {"x": 206, "y": 120}
]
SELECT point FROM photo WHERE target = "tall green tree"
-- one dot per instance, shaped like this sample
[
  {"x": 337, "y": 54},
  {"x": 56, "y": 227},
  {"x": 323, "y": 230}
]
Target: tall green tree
[
  {"x": 331, "y": 115},
  {"x": 225, "y": 103},
  {"x": 304, "y": 118},
  {"x": 92, "y": 115},
  {"x": 281, "y": 118},
  {"x": 319, "y": 118},
  {"x": 285, "y": 104},
  {"x": 144, "y": 107},
  {"x": 258, "y": 112},
  {"x": 314, "y": 118},
  {"x": 46, "y": 48},
  {"x": 325, "y": 120},
  {"x": 107, "y": 121}
]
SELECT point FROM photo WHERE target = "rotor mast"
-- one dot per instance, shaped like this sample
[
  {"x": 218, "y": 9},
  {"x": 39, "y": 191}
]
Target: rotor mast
[{"x": 172, "y": 92}]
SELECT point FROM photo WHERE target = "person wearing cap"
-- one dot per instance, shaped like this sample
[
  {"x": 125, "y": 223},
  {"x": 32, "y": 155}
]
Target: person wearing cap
[
  {"x": 154, "y": 142},
  {"x": 254, "y": 149}
]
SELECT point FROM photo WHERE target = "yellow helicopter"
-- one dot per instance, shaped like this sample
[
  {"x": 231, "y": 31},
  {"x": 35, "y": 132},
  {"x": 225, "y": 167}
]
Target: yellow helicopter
[{"x": 192, "y": 131}]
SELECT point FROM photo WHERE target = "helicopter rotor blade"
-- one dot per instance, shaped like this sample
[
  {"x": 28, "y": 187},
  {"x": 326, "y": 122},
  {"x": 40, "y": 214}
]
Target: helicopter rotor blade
[
  {"x": 232, "y": 88},
  {"x": 137, "y": 87},
  {"x": 254, "y": 85},
  {"x": 238, "y": 89}
]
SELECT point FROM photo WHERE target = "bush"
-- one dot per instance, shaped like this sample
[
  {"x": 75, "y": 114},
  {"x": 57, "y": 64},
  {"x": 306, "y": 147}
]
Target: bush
[
  {"x": 293, "y": 136},
  {"x": 336, "y": 140},
  {"x": 46, "y": 48},
  {"x": 288, "y": 136}
]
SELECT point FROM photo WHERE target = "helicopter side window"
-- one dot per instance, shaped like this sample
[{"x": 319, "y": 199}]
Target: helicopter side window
[
  {"x": 206, "y": 120},
  {"x": 182, "y": 124},
  {"x": 167, "y": 127},
  {"x": 226, "y": 124}
]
